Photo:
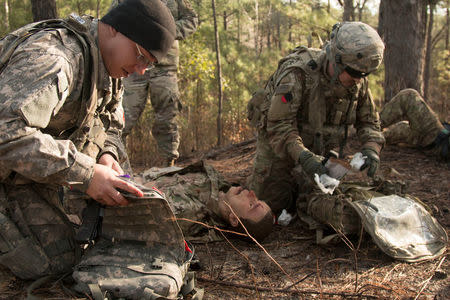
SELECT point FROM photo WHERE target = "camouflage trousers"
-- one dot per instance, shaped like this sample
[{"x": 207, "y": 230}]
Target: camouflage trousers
[
  {"x": 165, "y": 99},
  {"x": 408, "y": 119},
  {"x": 36, "y": 237}
]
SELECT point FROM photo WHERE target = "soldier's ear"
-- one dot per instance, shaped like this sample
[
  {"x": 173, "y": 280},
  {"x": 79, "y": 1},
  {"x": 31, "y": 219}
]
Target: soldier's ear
[
  {"x": 234, "y": 222},
  {"x": 112, "y": 31}
]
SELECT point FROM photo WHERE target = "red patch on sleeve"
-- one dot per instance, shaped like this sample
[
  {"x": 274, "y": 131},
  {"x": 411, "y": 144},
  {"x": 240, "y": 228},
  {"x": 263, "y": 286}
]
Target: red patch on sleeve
[
  {"x": 154, "y": 188},
  {"x": 283, "y": 99},
  {"x": 186, "y": 247}
]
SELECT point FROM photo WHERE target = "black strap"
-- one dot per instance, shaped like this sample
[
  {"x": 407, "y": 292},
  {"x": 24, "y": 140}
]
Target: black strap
[{"x": 89, "y": 228}]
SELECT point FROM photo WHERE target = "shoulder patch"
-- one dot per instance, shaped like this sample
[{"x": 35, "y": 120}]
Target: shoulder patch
[
  {"x": 283, "y": 89},
  {"x": 286, "y": 98}
]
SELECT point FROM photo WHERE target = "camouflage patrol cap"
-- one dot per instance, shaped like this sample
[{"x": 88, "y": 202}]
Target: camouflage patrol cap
[{"x": 357, "y": 46}]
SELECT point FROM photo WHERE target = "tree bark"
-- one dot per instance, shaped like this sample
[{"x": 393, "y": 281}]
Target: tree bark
[
  {"x": 349, "y": 11},
  {"x": 256, "y": 26},
  {"x": 290, "y": 22},
  {"x": 225, "y": 21},
  {"x": 219, "y": 77},
  {"x": 405, "y": 45},
  {"x": 278, "y": 15},
  {"x": 381, "y": 10},
  {"x": 6, "y": 16},
  {"x": 98, "y": 9},
  {"x": 43, "y": 10},
  {"x": 361, "y": 8},
  {"x": 239, "y": 23},
  {"x": 447, "y": 28},
  {"x": 427, "y": 69}
]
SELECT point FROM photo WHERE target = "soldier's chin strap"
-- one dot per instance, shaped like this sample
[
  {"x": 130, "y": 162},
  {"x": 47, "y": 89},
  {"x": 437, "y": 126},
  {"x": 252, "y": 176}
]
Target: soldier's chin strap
[{"x": 337, "y": 67}]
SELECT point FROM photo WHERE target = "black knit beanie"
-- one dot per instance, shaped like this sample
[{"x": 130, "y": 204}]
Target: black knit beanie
[{"x": 149, "y": 23}]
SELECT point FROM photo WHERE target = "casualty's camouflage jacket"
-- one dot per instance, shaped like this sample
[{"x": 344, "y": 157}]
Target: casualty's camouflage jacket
[
  {"x": 186, "y": 22},
  {"x": 304, "y": 109},
  {"x": 40, "y": 107},
  {"x": 193, "y": 193}
]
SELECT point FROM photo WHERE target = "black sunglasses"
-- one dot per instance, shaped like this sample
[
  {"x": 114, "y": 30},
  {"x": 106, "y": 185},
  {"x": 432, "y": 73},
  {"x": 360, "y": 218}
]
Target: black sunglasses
[{"x": 355, "y": 73}]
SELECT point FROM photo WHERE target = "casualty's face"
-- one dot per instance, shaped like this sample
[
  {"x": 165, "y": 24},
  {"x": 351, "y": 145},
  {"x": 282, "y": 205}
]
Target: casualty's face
[
  {"x": 246, "y": 205},
  {"x": 121, "y": 56}
]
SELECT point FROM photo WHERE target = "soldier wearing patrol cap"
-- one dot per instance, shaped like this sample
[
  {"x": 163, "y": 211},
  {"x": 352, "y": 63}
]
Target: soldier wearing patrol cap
[
  {"x": 60, "y": 120},
  {"x": 306, "y": 108}
]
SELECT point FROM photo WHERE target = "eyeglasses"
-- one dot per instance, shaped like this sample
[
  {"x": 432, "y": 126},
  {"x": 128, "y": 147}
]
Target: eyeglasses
[
  {"x": 355, "y": 73},
  {"x": 142, "y": 61}
]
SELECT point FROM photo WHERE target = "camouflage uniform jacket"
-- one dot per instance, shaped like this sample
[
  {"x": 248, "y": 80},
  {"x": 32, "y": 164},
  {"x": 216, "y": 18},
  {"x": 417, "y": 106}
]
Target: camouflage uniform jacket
[
  {"x": 303, "y": 109},
  {"x": 193, "y": 193},
  {"x": 41, "y": 106},
  {"x": 186, "y": 22}
]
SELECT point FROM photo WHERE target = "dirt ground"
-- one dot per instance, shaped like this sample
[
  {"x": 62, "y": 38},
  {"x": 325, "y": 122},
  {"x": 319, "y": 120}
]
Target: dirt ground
[{"x": 300, "y": 269}]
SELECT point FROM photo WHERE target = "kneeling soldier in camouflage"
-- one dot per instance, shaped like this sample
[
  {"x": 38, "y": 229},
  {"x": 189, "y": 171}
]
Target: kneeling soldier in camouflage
[{"x": 306, "y": 108}]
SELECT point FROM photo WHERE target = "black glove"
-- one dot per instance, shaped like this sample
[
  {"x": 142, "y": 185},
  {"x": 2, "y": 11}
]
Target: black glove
[
  {"x": 312, "y": 163},
  {"x": 372, "y": 161}
]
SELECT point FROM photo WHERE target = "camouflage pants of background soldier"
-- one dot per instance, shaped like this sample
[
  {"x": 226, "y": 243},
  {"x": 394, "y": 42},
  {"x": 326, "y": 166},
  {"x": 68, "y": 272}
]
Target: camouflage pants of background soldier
[
  {"x": 408, "y": 119},
  {"x": 164, "y": 96}
]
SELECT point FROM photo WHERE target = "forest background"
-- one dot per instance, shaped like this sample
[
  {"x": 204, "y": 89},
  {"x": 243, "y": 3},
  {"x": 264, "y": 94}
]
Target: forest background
[{"x": 217, "y": 82}]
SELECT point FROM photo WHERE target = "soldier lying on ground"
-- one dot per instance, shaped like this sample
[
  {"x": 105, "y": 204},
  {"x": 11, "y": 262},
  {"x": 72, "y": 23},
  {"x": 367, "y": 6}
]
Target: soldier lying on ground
[
  {"x": 408, "y": 119},
  {"x": 307, "y": 106},
  {"x": 199, "y": 193},
  {"x": 196, "y": 194},
  {"x": 60, "y": 121}
]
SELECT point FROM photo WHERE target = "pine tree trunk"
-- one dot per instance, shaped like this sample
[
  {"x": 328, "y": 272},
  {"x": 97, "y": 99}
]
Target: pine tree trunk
[
  {"x": 6, "y": 16},
  {"x": 404, "y": 37},
  {"x": 256, "y": 26},
  {"x": 239, "y": 23},
  {"x": 219, "y": 77},
  {"x": 426, "y": 75},
  {"x": 381, "y": 10},
  {"x": 98, "y": 9},
  {"x": 349, "y": 11},
  {"x": 225, "y": 21},
  {"x": 290, "y": 21},
  {"x": 447, "y": 28},
  {"x": 43, "y": 10},
  {"x": 360, "y": 9}
]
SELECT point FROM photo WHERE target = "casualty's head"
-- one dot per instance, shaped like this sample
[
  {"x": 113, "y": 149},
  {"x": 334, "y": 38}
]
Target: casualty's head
[
  {"x": 255, "y": 215},
  {"x": 135, "y": 34},
  {"x": 355, "y": 50}
]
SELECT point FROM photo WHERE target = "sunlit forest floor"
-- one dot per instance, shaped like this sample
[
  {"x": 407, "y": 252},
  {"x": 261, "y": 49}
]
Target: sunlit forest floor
[{"x": 239, "y": 270}]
